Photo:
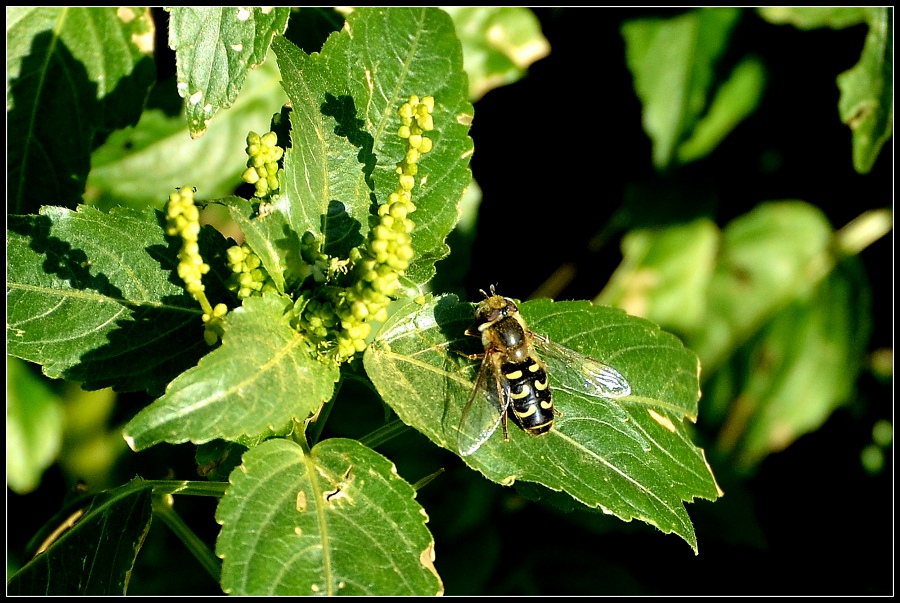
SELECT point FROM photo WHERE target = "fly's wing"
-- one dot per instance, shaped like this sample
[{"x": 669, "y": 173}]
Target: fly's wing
[
  {"x": 486, "y": 406},
  {"x": 575, "y": 371}
]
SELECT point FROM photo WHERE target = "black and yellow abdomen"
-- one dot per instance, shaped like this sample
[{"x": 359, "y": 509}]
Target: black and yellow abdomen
[{"x": 530, "y": 397}]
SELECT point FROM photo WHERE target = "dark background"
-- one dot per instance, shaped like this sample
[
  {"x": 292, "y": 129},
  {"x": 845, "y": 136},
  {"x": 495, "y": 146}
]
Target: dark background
[
  {"x": 569, "y": 136},
  {"x": 555, "y": 154}
]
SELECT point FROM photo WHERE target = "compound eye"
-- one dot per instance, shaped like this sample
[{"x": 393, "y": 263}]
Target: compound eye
[{"x": 510, "y": 308}]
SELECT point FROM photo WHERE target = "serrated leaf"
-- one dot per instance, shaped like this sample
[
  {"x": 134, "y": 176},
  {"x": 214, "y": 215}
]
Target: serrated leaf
[
  {"x": 34, "y": 426},
  {"x": 672, "y": 62},
  {"x": 499, "y": 44},
  {"x": 768, "y": 258},
  {"x": 631, "y": 457},
  {"x": 96, "y": 555},
  {"x": 867, "y": 92},
  {"x": 159, "y": 145},
  {"x": 337, "y": 521},
  {"x": 95, "y": 298},
  {"x": 345, "y": 147},
  {"x": 261, "y": 378},
  {"x": 71, "y": 72},
  {"x": 215, "y": 48}
]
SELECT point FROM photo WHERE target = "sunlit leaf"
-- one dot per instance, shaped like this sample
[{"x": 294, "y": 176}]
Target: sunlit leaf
[
  {"x": 95, "y": 298},
  {"x": 260, "y": 378},
  {"x": 337, "y": 521},
  {"x": 631, "y": 457},
  {"x": 734, "y": 101},
  {"x": 215, "y": 49},
  {"x": 344, "y": 128}
]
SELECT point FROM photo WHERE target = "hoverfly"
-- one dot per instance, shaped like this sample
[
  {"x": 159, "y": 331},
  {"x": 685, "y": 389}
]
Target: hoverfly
[{"x": 512, "y": 376}]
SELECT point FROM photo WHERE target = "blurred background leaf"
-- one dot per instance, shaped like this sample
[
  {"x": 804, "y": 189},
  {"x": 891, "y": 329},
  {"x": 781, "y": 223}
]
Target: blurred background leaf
[
  {"x": 72, "y": 75},
  {"x": 499, "y": 44},
  {"x": 34, "y": 425},
  {"x": 160, "y": 145}
]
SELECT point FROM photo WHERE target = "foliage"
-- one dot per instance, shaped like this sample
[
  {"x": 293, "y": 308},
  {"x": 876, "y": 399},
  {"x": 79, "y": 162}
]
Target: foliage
[{"x": 291, "y": 338}]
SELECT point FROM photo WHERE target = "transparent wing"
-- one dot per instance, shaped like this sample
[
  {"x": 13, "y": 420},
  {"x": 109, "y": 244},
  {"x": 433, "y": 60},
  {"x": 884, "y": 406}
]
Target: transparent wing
[
  {"x": 575, "y": 371},
  {"x": 484, "y": 410}
]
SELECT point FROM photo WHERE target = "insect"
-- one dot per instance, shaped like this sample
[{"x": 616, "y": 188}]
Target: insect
[{"x": 512, "y": 376}]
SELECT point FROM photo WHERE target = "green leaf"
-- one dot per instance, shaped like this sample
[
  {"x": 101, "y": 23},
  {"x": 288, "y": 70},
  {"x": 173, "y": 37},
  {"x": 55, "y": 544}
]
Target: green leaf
[
  {"x": 218, "y": 458},
  {"x": 631, "y": 457},
  {"x": 70, "y": 73},
  {"x": 735, "y": 100},
  {"x": 672, "y": 62},
  {"x": 95, "y": 298},
  {"x": 336, "y": 521},
  {"x": 96, "y": 555},
  {"x": 215, "y": 48},
  {"x": 867, "y": 92},
  {"x": 499, "y": 44},
  {"x": 345, "y": 147},
  {"x": 269, "y": 236},
  {"x": 768, "y": 258},
  {"x": 159, "y": 144},
  {"x": 813, "y": 17},
  {"x": 801, "y": 366},
  {"x": 34, "y": 426},
  {"x": 665, "y": 274},
  {"x": 261, "y": 378}
]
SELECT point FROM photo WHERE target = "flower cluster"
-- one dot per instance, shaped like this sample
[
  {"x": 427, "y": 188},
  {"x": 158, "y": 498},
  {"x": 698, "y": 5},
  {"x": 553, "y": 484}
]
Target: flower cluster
[
  {"x": 183, "y": 219},
  {"x": 334, "y": 308},
  {"x": 248, "y": 276},
  {"x": 344, "y": 315},
  {"x": 262, "y": 164}
]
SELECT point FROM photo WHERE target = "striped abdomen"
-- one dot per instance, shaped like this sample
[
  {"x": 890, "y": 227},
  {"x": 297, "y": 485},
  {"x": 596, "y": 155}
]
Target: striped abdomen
[{"x": 529, "y": 392}]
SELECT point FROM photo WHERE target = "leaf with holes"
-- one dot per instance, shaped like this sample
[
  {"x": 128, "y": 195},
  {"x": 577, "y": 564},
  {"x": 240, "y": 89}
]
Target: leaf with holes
[
  {"x": 215, "y": 48},
  {"x": 632, "y": 457},
  {"x": 336, "y": 521}
]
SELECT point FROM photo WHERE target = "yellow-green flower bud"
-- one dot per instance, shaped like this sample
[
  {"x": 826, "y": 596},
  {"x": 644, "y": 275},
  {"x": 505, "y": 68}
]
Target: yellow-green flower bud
[{"x": 426, "y": 122}]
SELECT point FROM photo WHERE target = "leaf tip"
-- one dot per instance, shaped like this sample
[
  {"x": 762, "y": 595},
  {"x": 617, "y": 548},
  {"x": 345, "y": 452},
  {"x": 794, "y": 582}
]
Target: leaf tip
[{"x": 130, "y": 441}]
